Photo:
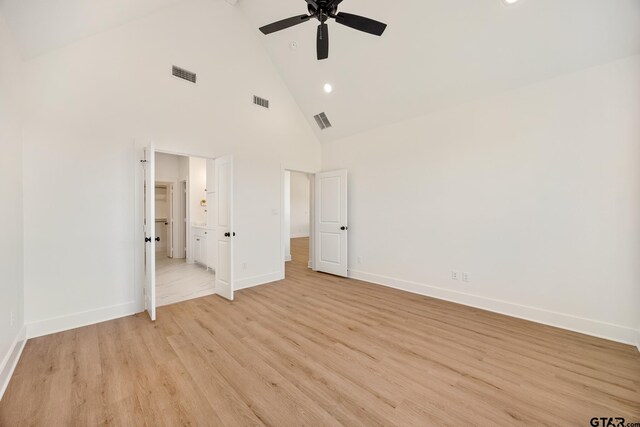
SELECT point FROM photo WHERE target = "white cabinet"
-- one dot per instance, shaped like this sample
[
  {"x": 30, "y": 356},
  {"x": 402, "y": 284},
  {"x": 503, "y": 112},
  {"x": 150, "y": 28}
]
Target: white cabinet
[
  {"x": 204, "y": 247},
  {"x": 199, "y": 249},
  {"x": 199, "y": 245}
]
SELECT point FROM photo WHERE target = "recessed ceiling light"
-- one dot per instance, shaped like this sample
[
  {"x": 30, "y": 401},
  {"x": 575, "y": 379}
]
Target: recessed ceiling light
[
  {"x": 328, "y": 88},
  {"x": 510, "y": 2}
]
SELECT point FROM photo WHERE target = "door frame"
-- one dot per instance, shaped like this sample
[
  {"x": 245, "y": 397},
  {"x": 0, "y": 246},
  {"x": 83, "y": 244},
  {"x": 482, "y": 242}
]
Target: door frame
[
  {"x": 283, "y": 231},
  {"x": 137, "y": 153}
]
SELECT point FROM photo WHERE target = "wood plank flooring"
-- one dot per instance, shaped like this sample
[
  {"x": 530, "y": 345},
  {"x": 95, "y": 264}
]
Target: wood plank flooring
[{"x": 319, "y": 350}]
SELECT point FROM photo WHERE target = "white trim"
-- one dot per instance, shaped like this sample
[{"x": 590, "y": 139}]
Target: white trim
[
  {"x": 287, "y": 258},
  {"x": 77, "y": 320},
  {"x": 11, "y": 359},
  {"x": 263, "y": 279},
  {"x": 299, "y": 235},
  {"x": 582, "y": 325}
]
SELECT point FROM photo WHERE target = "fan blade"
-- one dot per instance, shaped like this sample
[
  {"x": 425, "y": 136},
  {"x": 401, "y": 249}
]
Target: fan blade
[
  {"x": 361, "y": 23},
  {"x": 285, "y": 23},
  {"x": 323, "y": 41},
  {"x": 333, "y": 3}
]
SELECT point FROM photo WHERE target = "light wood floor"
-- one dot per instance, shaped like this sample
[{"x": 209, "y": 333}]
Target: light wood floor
[
  {"x": 318, "y": 350},
  {"x": 176, "y": 280}
]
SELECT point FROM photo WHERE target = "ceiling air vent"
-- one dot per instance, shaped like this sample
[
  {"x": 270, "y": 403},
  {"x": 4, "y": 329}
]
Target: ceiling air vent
[
  {"x": 322, "y": 121},
  {"x": 260, "y": 101},
  {"x": 183, "y": 74}
]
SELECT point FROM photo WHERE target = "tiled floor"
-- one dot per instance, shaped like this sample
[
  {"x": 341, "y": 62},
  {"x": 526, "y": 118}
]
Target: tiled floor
[{"x": 176, "y": 280}]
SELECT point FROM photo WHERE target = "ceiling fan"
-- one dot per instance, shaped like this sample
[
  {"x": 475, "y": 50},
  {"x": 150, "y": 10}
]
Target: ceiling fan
[{"x": 322, "y": 10}]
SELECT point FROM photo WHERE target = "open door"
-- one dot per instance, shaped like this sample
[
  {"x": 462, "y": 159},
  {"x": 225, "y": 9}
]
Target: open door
[
  {"x": 224, "y": 226},
  {"x": 150, "y": 231},
  {"x": 331, "y": 226}
]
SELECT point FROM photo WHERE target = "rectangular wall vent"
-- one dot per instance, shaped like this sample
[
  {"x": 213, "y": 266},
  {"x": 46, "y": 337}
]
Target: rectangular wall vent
[
  {"x": 181, "y": 73},
  {"x": 323, "y": 121},
  {"x": 260, "y": 101}
]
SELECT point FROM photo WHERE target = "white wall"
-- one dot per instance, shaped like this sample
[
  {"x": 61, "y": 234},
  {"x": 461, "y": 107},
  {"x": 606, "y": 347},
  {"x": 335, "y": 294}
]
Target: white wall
[
  {"x": 300, "y": 204},
  {"x": 535, "y": 193},
  {"x": 167, "y": 168},
  {"x": 11, "y": 248},
  {"x": 92, "y": 105}
]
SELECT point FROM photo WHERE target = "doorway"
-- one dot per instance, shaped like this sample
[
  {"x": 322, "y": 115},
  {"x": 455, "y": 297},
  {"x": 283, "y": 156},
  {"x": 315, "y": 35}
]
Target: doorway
[
  {"x": 325, "y": 248},
  {"x": 298, "y": 218},
  {"x": 188, "y": 218},
  {"x": 183, "y": 271}
]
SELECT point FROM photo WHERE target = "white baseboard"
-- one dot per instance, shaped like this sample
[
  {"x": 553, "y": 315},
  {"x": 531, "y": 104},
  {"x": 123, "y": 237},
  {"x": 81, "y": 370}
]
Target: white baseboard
[
  {"x": 287, "y": 258},
  {"x": 300, "y": 235},
  {"x": 10, "y": 360},
  {"x": 565, "y": 321},
  {"x": 263, "y": 279},
  {"x": 77, "y": 320}
]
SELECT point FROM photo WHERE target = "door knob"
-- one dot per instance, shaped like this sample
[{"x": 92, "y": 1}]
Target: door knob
[
  {"x": 343, "y": 228},
  {"x": 147, "y": 239},
  {"x": 227, "y": 234},
  {"x": 157, "y": 239}
]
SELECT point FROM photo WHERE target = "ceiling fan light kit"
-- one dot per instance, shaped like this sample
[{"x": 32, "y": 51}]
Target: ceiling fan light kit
[{"x": 323, "y": 10}]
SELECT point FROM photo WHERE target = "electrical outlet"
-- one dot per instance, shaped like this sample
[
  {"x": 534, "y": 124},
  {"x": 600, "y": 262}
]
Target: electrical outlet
[
  {"x": 13, "y": 318},
  {"x": 465, "y": 277},
  {"x": 454, "y": 275}
]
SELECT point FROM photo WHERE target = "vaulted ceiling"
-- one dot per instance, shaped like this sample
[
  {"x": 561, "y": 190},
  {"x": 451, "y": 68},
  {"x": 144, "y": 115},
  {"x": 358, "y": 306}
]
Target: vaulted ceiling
[
  {"x": 42, "y": 25},
  {"x": 434, "y": 54},
  {"x": 437, "y": 53}
]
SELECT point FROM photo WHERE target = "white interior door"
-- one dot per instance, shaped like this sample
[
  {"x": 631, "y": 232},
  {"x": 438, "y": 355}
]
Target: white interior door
[
  {"x": 331, "y": 226},
  {"x": 150, "y": 231},
  {"x": 224, "y": 226}
]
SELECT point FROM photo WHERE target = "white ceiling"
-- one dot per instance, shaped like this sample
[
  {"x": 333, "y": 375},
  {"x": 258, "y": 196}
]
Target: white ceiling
[
  {"x": 434, "y": 54},
  {"x": 437, "y": 53}
]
